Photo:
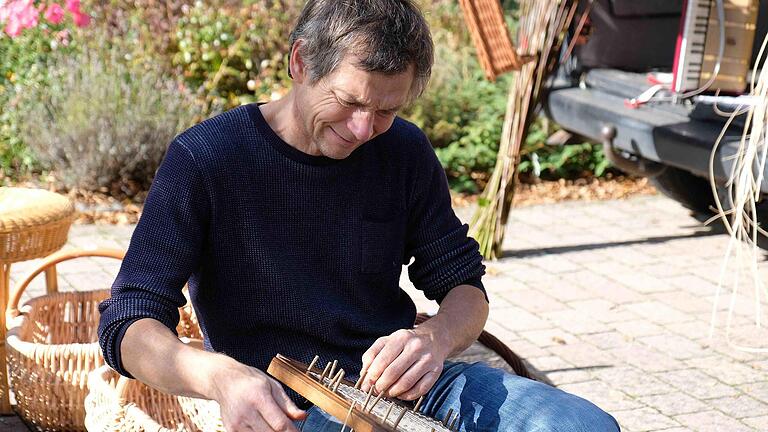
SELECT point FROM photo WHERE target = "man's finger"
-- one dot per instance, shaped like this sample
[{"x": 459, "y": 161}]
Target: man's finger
[
  {"x": 276, "y": 419},
  {"x": 386, "y": 356},
  {"x": 372, "y": 352},
  {"x": 408, "y": 378},
  {"x": 286, "y": 404},
  {"x": 404, "y": 362},
  {"x": 421, "y": 387}
]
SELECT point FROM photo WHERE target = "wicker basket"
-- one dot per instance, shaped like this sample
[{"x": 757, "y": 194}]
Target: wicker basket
[
  {"x": 117, "y": 404},
  {"x": 53, "y": 346}
]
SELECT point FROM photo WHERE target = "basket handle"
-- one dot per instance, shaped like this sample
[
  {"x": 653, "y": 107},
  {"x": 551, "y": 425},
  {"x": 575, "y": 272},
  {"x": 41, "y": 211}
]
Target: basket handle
[
  {"x": 124, "y": 383},
  {"x": 51, "y": 260}
]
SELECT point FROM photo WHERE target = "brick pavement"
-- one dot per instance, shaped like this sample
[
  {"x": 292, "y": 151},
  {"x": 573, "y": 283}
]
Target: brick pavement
[{"x": 608, "y": 300}]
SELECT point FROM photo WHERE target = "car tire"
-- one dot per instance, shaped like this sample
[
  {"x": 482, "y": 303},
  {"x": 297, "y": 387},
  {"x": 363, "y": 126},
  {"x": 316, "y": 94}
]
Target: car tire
[{"x": 693, "y": 192}]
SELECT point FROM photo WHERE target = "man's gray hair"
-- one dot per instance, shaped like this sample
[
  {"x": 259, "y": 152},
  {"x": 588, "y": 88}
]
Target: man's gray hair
[{"x": 387, "y": 36}]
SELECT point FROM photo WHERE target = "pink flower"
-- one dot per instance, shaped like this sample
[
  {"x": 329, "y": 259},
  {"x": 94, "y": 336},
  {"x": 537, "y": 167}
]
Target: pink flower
[
  {"x": 54, "y": 14},
  {"x": 73, "y": 6},
  {"x": 20, "y": 14},
  {"x": 13, "y": 27},
  {"x": 81, "y": 19}
]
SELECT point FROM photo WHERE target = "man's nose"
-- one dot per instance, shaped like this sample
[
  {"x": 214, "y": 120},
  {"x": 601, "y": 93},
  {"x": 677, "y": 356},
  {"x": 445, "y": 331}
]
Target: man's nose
[{"x": 361, "y": 125}]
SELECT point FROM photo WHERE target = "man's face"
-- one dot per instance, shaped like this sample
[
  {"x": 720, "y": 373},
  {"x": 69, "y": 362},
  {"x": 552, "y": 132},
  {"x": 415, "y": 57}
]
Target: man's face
[{"x": 349, "y": 107}]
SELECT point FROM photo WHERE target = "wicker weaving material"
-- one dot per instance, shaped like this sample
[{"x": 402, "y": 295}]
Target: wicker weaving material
[
  {"x": 33, "y": 223},
  {"x": 116, "y": 404},
  {"x": 53, "y": 346},
  {"x": 50, "y": 354},
  {"x": 495, "y": 49}
]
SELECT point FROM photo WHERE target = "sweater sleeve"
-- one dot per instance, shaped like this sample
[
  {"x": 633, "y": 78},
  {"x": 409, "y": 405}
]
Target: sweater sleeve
[
  {"x": 164, "y": 251},
  {"x": 444, "y": 255}
]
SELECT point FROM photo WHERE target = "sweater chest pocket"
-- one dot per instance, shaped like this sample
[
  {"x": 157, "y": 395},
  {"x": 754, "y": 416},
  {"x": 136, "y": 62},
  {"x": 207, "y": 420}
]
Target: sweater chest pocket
[{"x": 381, "y": 244}]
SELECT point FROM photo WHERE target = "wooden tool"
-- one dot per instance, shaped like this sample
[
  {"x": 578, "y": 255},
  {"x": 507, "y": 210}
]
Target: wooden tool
[{"x": 360, "y": 411}]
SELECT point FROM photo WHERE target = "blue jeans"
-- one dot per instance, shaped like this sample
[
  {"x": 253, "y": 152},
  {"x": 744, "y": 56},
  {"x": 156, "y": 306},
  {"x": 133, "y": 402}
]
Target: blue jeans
[{"x": 491, "y": 400}]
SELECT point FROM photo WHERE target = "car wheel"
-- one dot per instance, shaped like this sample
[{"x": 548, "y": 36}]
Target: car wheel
[{"x": 691, "y": 191}]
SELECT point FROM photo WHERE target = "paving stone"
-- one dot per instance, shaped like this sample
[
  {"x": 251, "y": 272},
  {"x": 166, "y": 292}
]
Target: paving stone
[
  {"x": 549, "y": 363},
  {"x": 568, "y": 376},
  {"x": 577, "y": 322},
  {"x": 660, "y": 268},
  {"x": 724, "y": 369},
  {"x": 693, "y": 330},
  {"x": 644, "y": 283},
  {"x": 638, "y": 328},
  {"x": 683, "y": 301},
  {"x": 88, "y": 281},
  {"x": 658, "y": 312},
  {"x": 555, "y": 264},
  {"x": 646, "y": 358},
  {"x": 518, "y": 319},
  {"x": 607, "y": 340},
  {"x": 567, "y": 291},
  {"x": 525, "y": 349},
  {"x": 676, "y": 403},
  {"x": 582, "y": 355},
  {"x": 632, "y": 381},
  {"x": 740, "y": 406},
  {"x": 615, "y": 292},
  {"x": 584, "y": 256},
  {"x": 533, "y": 300},
  {"x": 697, "y": 383},
  {"x": 674, "y": 346},
  {"x": 693, "y": 282},
  {"x": 607, "y": 397},
  {"x": 711, "y": 421},
  {"x": 759, "y": 423},
  {"x": 548, "y": 337},
  {"x": 757, "y": 390},
  {"x": 643, "y": 419}
]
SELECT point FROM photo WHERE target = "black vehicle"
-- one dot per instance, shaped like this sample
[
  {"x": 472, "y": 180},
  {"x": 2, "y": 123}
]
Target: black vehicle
[{"x": 668, "y": 139}]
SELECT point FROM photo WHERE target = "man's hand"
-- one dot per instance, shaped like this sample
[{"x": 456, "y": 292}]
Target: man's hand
[
  {"x": 407, "y": 363},
  {"x": 404, "y": 364},
  {"x": 252, "y": 401}
]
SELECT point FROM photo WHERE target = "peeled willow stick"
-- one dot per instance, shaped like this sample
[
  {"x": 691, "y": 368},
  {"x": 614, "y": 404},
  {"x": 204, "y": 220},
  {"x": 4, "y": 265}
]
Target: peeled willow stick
[
  {"x": 743, "y": 193},
  {"x": 542, "y": 28}
]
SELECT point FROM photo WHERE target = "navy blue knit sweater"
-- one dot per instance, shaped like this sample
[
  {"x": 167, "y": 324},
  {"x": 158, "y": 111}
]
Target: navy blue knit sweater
[{"x": 287, "y": 252}]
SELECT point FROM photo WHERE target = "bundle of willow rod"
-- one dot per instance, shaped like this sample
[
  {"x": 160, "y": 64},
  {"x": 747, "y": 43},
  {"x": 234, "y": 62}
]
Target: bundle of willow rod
[
  {"x": 542, "y": 27},
  {"x": 743, "y": 193}
]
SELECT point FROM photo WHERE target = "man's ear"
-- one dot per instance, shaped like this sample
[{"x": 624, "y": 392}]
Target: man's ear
[{"x": 296, "y": 67}]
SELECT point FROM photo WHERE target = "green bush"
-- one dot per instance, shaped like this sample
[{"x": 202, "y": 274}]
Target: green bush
[
  {"x": 461, "y": 112},
  {"x": 229, "y": 53},
  {"x": 23, "y": 65},
  {"x": 104, "y": 122},
  {"x": 236, "y": 54},
  {"x": 551, "y": 162}
]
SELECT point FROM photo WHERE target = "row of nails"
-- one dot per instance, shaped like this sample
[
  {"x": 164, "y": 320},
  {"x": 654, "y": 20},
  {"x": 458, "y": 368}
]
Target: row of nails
[{"x": 450, "y": 421}]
